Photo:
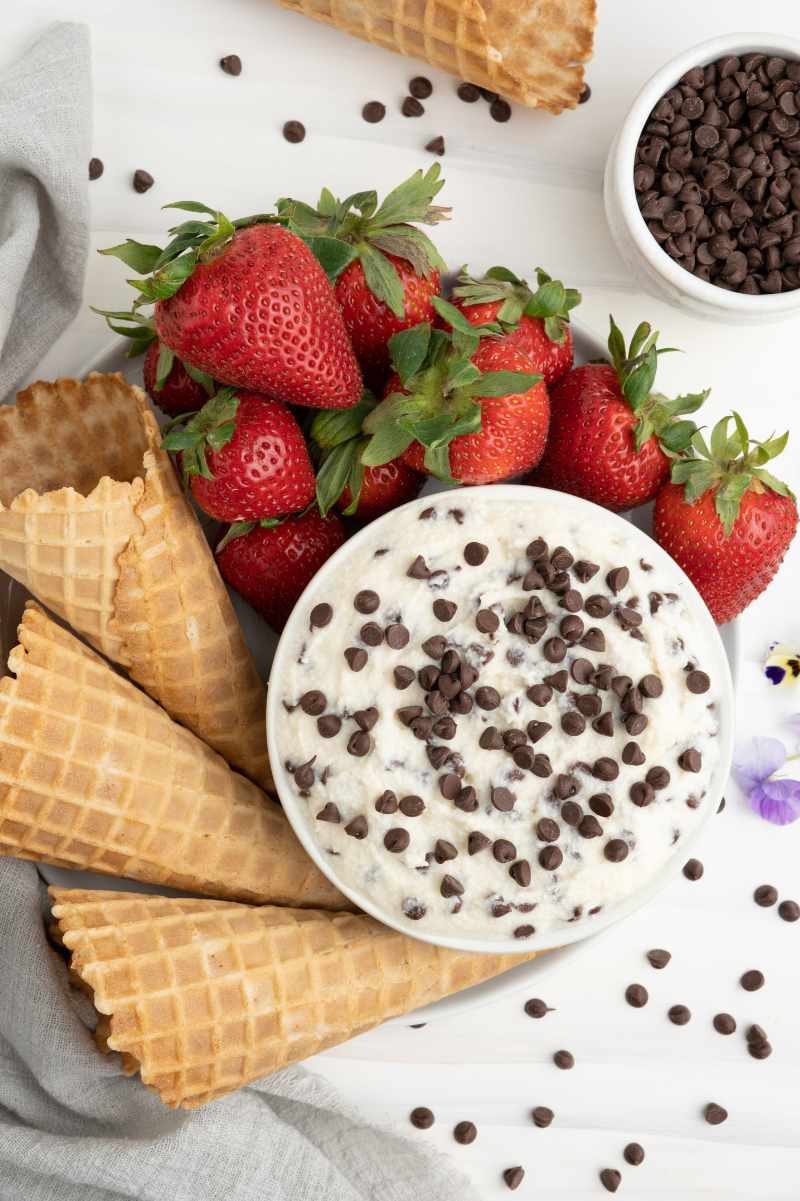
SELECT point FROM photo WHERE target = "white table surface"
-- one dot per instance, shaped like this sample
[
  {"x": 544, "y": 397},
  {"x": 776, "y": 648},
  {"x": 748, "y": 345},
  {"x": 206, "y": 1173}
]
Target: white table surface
[{"x": 524, "y": 193}]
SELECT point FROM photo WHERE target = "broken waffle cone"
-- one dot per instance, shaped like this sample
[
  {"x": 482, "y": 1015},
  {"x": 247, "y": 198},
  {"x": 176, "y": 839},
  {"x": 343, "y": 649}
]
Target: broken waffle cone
[
  {"x": 202, "y": 997},
  {"x": 94, "y": 775},
  {"x": 93, "y": 523},
  {"x": 531, "y": 51}
]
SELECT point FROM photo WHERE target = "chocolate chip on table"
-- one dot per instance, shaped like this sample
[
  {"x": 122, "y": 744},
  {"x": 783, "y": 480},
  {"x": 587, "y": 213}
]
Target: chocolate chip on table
[
  {"x": 396, "y": 840},
  {"x": 715, "y": 1114},
  {"x": 477, "y": 842},
  {"x": 789, "y": 911},
  {"x": 698, "y": 681},
  {"x": 513, "y": 1177},
  {"x": 500, "y": 110},
  {"x": 96, "y": 168},
  {"x": 358, "y": 827},
  {"x": 231, "y": 64},
  {"x": 329, "y": 813},
  {"x": 536, "y": 1008},
  {"x": 465, "y": 1133},
  {"x": 386, "y": 802},
  {"x": 373, "y": 112},
  {"x": 752, "y": 980},
  {"x": 616, "y": 850},
  {"x": 320, "y": 616},
  {"x": 765, "y": 895},
  {"x": 542, "y": 1116},
  {"x": 422, "y": 1117},
  {"x": 679, "y": 1015},
  {"x": 759, "y": 1050},
  {"x": 564, "y": 1060},
  {"x": 634, "y": 1154},
  {"x": 329, "y": 725},
  {"x": 411, "y": 107},
  {"x": 468, "y": 92},
  {"x": 610, "y": 1179},
  {"x": 636, "y": 995},
  {"x": 475, "y": 553},
  {"x": 693, "y": 869},
  {"x": 658, "y": 958},
  {"x": 142, "y": 181},
  {"x": 420, "y": 87},
  {"x": 294, "y": 131},
  {"x": 488, "y": 95},
  {"x": 356, "y": 657},
  {"x": 724, "y": 1023},
  {"x": 436, "y": 145}
]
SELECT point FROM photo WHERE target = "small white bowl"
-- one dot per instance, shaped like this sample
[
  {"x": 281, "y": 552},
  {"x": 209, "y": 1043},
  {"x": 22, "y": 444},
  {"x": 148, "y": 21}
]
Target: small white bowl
[
  {"x": 651, "y": 266},
  {"x": 298, "y": 814}
]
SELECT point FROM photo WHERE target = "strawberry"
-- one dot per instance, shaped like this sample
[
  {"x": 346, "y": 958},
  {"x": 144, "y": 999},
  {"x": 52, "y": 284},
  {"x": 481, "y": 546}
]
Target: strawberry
[
  {"x": 611, "y": 437},
  {"x": 388, "y": 269},
  {"x": 176, "y": 391},
  {"x": 244, "y": 457},
  {"x": 270, "y": 564},
  {"x": 248, "y": 304},
  {"x": 536, "y": 322},
  {"x": 342, "y": 478},
  {"x": 464, "y": 406},
  {"x": 726, "y": 520}
]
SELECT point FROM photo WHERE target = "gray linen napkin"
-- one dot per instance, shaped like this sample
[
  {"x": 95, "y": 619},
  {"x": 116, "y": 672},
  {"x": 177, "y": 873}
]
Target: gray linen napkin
[{"x": 45, "y": 115}]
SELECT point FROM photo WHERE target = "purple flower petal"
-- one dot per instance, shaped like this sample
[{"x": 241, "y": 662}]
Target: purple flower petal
[
  {"x": 757, "y": 761},
  {"x": 777, "y": 801}
]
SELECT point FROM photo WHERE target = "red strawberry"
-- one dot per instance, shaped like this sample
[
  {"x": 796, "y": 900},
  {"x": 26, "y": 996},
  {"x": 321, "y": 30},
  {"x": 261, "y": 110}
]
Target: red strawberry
[
  {"x": 464, "y": 406},
  {"x": 382, "y": 488},
  {"x": 178, "y": 393},
  {"x": 249, "y": 305},
  {"x": 388, "y": 270},
  {"x": 611, "y": 437},
  {"x": 270, "y": 565},
  {"x": 245, "y": 458},
  {"x": 536, "y": 322},
  {"x": 725, "y": 519}
]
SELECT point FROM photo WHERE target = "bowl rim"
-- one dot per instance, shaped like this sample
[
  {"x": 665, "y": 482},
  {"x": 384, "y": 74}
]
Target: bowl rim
[
  {"x": 624, "y": 153},
  {"x": 297, "y": 813}
]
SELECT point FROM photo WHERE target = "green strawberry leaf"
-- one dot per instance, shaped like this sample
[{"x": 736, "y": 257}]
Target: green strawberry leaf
[
  {"x": 719, "y": 441},
  {"x": 332, "y": 254},
  {"x": 616, "y": 346},
  {"x": 639, "y": 339},
  {"x": 683, "y": 405},
  {"x": 331, "y": 427},
  {"x": 365, "y": 202},
  {"x": 137, "y": 255},
  {"x": 440, "y": 429},
  {"x": 219, "y": 233},
  {"x": 548, "y": 301},
  {"x": 327, "y": 205},
  {"x": 504, "y": 275},
  {"x": 461, "y": 373},
  {"x": 199, "y": 377},
  {"x": 453, "y": 316},
  {"x": 556, "y": 330},
  {"x": 166, "y": 360},
  {"x": 774, "y": 485},
  {"x": 238, "y": 529},
  {"x": 191, "y": 206},
  {"x": 334, "y": 473},
  {"x": 637, "y": 384},
  {"x": 504, "y": 383},
  {"x": 697, "y": 477},
  {"x": 221, "y": 435},
  {"x": 677, "y": 437},
  {"x": 409, "y": 349},
  {"x": 510, "y": 311},
  {"x": 382, "y": 278},
  {"x": 437, "y": 462},
  {"x": 728, "y": 499},
  {"x": 411, "y": 200},
  {"x": 388, "y": 442},
  {"x": 181, "y": 439},
  {"x": 773, "y": 446},
  {"x": 643, "y": 433}
]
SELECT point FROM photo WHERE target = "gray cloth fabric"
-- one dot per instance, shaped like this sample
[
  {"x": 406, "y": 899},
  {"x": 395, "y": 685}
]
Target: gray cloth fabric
[
  {"x": 73, "y": 1128},
  {"x": 45, "y": 115}
]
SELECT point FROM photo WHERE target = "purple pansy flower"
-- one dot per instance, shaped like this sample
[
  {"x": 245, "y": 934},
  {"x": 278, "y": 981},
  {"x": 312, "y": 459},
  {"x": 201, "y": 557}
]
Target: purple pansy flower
[{"x": 776, "y": 800}]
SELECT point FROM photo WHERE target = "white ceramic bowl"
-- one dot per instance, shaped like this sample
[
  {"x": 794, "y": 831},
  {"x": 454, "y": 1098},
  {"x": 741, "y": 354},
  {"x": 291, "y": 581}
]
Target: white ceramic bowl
[
  {"x": 323, "y": 584},
  {"x": 651, "y": 266}
]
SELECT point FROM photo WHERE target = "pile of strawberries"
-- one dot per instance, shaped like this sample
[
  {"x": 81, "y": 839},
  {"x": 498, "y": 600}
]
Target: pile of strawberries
[{"x": 312, "y": 367}]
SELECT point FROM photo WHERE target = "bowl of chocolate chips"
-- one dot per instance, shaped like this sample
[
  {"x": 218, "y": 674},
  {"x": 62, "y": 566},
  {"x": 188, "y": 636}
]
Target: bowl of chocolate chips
[{"x": 702, "y": 183}]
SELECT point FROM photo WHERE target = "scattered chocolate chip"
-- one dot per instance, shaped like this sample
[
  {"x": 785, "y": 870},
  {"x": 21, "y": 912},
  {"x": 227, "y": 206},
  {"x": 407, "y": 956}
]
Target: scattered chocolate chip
[
  {"x": 589, "y": 827},
  {"x": 142, "y": 181},
  {"x": 714, "y": 1114},
  {"x": 564, "y": 1060},
  {"x": 403, "y": 677},
  {"x": 604, "y": 724},
  {"x": 605, "y": 768},
  {"x": 658, "y": 958},
  {"x": 521, "y": 872},
  {"x": 358, "y": 827},
  {"x": 313, "y": 702},
  {"x": 411, "y": 107},
  {"x": 752, "y": 980},
  {"x": 541, "y": 1115},
  {"x": 477, "y": 842},
  {"x": 475, "y": 553},
  {"x": 487, "y": 621},
  {"x": 373, "y": 112},
  {"x": 536, "y": 730},
  {"x": 294, "y": 131},
  {"x": 789, "y": 911},
  {"x": 414, "y": 909},
  {"x": 329, "y": 725},
  {"x": 422, "y": 1117},
  {"x": 536, "y": 1008},
  {"x": 550, "y": 858},
  {"x": 698, "y": 681},
  {"x": 658, "y": 778},
  {"x": 451, "y": 887},
  {"x": 636, "y": 995},
  {"x": 634, "y": 1154},
  {"x": 679, "y": 1015},
  {"x": 617, "y": 578},
  {"x": 547, "y": 830},
  {"x": 436, "y": 145},
  {"x": 565, "y": 787},
  {"x": 356, "y": 657},
  {"x": 231, "y": 64},
  {"x": 443, "y": 850},
  {"x": 487, "y": 698},
  {"x": 601, "y": 804},
  {"x": 513, "y": 1177},
  {"x": 610, "y": 1179},
  {"x": 558, "y": 680},
  {"x": 765, "y": 895},
  {"x": 366, "y": 601},
  {"x": 584, "y": 570},
  {"x": 412, "y": 806},
  {"x": 396, "y": 636},
  {"x": 724, "y": 1023},
  {"x": 96, "y": 168},
  {"x": 467, "y": 800},
  {"x": 396, "y": 840},
  {"x": 365, "y": 719},
  {"x": 359, "y": 744},
  {"x": 500, "y": 110},
  {"x": 693, "y": 869},
  {"x": 420, "y": 87},
  {"x": 468, "y": 93},
  {"x": 690, "y": 760},
  {"x": 598, "y": 606},
  {"x": 465, "y": 1133},
  {"x": 503, "y": 799},
  {"x": 759, "y": 1050},
  {"x": 444, "y": 610},
  {"x": 573, "y": 724},
  {"x": 651, "y": 686},
  {"x": 571, "y": 813},
  {"x": 371, "y": 633},
  {"x": 386, "y": 802},
  {"x": 329, "y": 813},
  {"x": 641, "y": 793},
  {"x": 616, "y": 850}
]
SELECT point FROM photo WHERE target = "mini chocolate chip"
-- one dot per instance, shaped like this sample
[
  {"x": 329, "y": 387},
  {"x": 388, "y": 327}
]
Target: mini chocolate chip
[
  {"x": 571, "y": 628},
  {"x": 461, "y": 704},
  {"x": 396, "y": 840},
  {"x": 465, "y": 1133},
  {"x": 536, "y": 1008},
  {"x": 617, "y": 578},
  {"x": 765, "y": 895},
  {"x": 444, "y": 610},
  {"x": 789, "y": 911},
  {"x": 365, "y": 719},
  {"x": 610, "y": 1179},
  {"x": 451, "y": 887},
  {"x": 558, "y": 680},
  {"x": 356, "y": 657},
  {"x": 403, "y": 677},
  {"x": 487, "y": 698},
  {"x": 502, "y": 799},
  {"x": 541, "y": 1115},
  {"x": 359, "y": 744},
  {"x": 651, "y": 686},
  {"x": 604, "y": 724},
  {"x": 468, "y": 92},
  {"x": 690, "y": 760},
  {"x": 550, "y": 858},
  {"x": 373, "y": 112},
  {"x": 658, "y": 958},
  {"x": 536, "y": 730},
  {"x": 386, "y": 802},
  {"x": 96, "y": 168},
  {"x": 420, "y": 87},
  {"x": 584, "y": 570},
  {"x": 231, "y": 64},
  {"x": 142, "y": 181},
  {"x": 598, "y": 606},
  {"x": 329, "y": 813},
  {"x": 428, "y": 677},
  {"x": 500, "y": 110},
  {"x": 294, "y": 131},
  {"x": 313, "y": 703},
  {"x": 554, "y": 650},
  {"x": 636, "y": 995},
  {"x": 714, "y": 1114},
  {"x": 521, "y": 872},
  {"x": 564, "y": 1060},
  {"x": 752, "y": 980},
  {"x": 329, "y": 725},
  {"x": 413, "y": 909},
  {"x": 641, "y": 793},
  {"x": 582, "y": 671},
  {"x": 633, "y": 1154},
  {"x": 524, "y": 757},
  {"x": 572, "y": 600},
  {"x": 467, "y": 800},
  {"x": 621, "y": 686},
  {"x": 422, "y": 1117},
  {"x": 693, "y": 869},
  {"x": 759, "y": 1050},
  {"x": 371, "y": 633},
  {"x": 573, "y": 724},
  {"x": 513, "y": 1177},
  {"x": 587, "y": 704},
  {"x": 475, "y": 553},
  {"x": 435, "y": 647},
  {"x": 601, "y": 804},
  {"x": 450, "y": 786},
  {"x": 724, "y": 1023},
  {"x": 571, "y": 813},
  {"x": 477, "y": 842},
  {"x": 358, "y": 827},
  {"x": 320, "y": 616},
  {"x": 616, "y": 850},
  {"x": 396, "y": 636},
  {"x": 491, "y": 739},
  {"x": 679, "y": 1015},
  {"x": 698, "y": 681},
  {"x": 565, "y": 786},
  {"x": 411, "y": 107},
  {"x": 658, "y": 778},
  {"x": 487, "y": 621},
  {"x": 589, "y": 827},
  {"x": 605, "y": 768},
  {"x": 547, "y": 830},
  {"x": 593, "y": 640},
  {"x": 632, "y": 754},
  {"x": 366, "y": 601},
  {"x": 539, "y": 694},
  {"x": 412, "y": 806},
  {"x": 436, "y": 145},
  {"x": 408, "y": 713}
]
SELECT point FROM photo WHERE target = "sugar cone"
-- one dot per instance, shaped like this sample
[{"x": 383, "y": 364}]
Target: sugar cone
[
  {"x": 202, "y": 997},
  {"x": 94, "y": 523},
  {"x": 531, "y": 51},
  {"x": 94, "y": 775}
]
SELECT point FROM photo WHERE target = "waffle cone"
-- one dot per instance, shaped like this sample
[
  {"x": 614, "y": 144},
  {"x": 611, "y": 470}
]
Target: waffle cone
[
  {"x": 202, "y": 997},
  {"x": 94, "y": 775},
  {"x": 94, "y": 524},
  {"x": 531, "y": 51}
]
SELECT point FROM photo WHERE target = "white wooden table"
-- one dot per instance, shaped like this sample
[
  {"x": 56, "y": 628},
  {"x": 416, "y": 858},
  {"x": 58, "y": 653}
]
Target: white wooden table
[{"x": 524, "y": 193}]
